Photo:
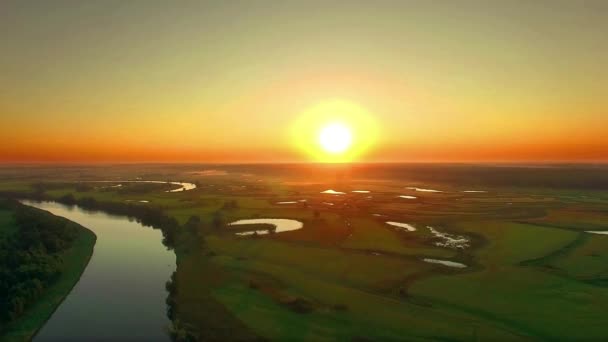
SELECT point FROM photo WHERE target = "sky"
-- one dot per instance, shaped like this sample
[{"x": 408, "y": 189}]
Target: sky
[{"x": 227, "y": 81}]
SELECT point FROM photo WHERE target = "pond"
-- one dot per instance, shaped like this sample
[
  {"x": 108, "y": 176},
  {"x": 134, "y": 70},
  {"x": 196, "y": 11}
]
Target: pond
[
  {"x": 279, "y": 225},
  {"x": 405, "y": 226}
]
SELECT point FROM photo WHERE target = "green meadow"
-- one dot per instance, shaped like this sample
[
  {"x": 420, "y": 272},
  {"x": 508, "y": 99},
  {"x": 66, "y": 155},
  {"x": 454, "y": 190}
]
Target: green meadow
[{"x": 530, "y": 271}]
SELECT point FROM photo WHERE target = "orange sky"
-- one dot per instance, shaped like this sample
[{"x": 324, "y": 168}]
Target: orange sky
[{"x": 228, "y": 81}]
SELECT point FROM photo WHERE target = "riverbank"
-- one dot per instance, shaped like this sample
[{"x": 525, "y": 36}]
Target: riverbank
[{"x": 75, "y": 260}]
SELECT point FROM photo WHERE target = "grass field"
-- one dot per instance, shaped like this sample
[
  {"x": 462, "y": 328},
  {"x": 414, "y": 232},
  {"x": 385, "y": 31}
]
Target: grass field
[{"x": 530, "y": 269}]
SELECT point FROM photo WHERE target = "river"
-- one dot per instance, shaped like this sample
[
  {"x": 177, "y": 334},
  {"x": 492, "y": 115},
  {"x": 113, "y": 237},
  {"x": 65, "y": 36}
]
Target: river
[{"x": 121, "y": 294}]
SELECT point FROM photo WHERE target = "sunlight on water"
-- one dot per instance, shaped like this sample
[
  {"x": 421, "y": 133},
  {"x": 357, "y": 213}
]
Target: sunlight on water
[
  {"x": 183, "y": 186},
  {"x": 601, "y": 232},
  {"x": 405, "y": 226},
  {"x": 121, "y": 294},
  {"x": 332, "y": 192},
  {"x": 407, "y": 197},
  {"x": 280, "y": 225},
  {"x": 449, "y": 240},
  {"x": 423, "y": 189},
  {"x": 445, "y": 263}
]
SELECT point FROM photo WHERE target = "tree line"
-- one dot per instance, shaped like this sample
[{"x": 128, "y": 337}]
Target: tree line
[{"x": 148, "y": 216}]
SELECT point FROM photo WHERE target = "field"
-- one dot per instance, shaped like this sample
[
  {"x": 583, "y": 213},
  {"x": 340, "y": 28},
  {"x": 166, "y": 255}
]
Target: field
[{"x": 527, "y": 267}]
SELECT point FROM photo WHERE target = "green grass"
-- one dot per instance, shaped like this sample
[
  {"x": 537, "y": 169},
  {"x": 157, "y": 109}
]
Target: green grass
[
  {"x": 586, "y": 261},
  {"x": 196, "y": 277},
  {"x": 523, "y": 297},
  {"x": 543, "y": 305},
  {"x": 366, "y": 314},
  {"x": 369, "y": 234},
  {"x": 510, "y": 243},
  {"x": 533, "y": 275},
  {"x": 578, "y": 219},
  {"x": 351, "y": 268}
]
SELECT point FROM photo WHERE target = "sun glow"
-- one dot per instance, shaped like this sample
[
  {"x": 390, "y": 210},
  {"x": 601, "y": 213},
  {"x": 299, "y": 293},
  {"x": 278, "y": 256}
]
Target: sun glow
[
  {"x": 334, "y": 131},
  {"x": 335, "y": 138}
]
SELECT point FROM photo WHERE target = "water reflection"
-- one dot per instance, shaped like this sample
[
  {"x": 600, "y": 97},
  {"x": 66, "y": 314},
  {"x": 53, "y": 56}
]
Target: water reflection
[
  {"x": 445, "y": 263},
  {"x": 333, "y": 192},
  {"x": 278, "y": 225},
  {"x": 121, "y": 294},
  {"x": 405, "y": 226},
  {"x": 601, "y": 232},
  {"x": 449, "y": 240},
  {"x": 183, "y": 186},
  {"x": 423, "y": 189}
]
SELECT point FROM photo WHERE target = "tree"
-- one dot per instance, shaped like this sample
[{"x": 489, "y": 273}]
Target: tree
[
  {"x": 218, "y": 220},
  {"x": 67, "y": 199},
  {"x": 31, "y": 258},
  {"x": 193, "y": 224},
  {"x": 181, "y": 332}
]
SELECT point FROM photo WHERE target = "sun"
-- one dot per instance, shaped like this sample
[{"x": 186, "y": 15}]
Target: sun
[
  {"x": 335, "y": 138},
  {"x": 334, "y": 131}
]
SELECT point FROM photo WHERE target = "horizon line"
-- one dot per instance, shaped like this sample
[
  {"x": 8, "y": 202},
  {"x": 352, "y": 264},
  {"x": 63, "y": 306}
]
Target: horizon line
[{"x": 419, "y": 162}]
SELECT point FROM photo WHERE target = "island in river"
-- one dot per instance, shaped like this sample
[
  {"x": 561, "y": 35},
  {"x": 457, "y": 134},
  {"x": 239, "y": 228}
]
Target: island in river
[{"x": 51, "y": 272}]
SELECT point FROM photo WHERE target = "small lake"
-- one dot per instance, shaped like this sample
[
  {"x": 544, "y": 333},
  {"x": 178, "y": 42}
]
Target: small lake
[
  {"x": 279, "y": 225},
  {"x": 401, "y": 225},
  {"x": 121, "y": 294}
]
